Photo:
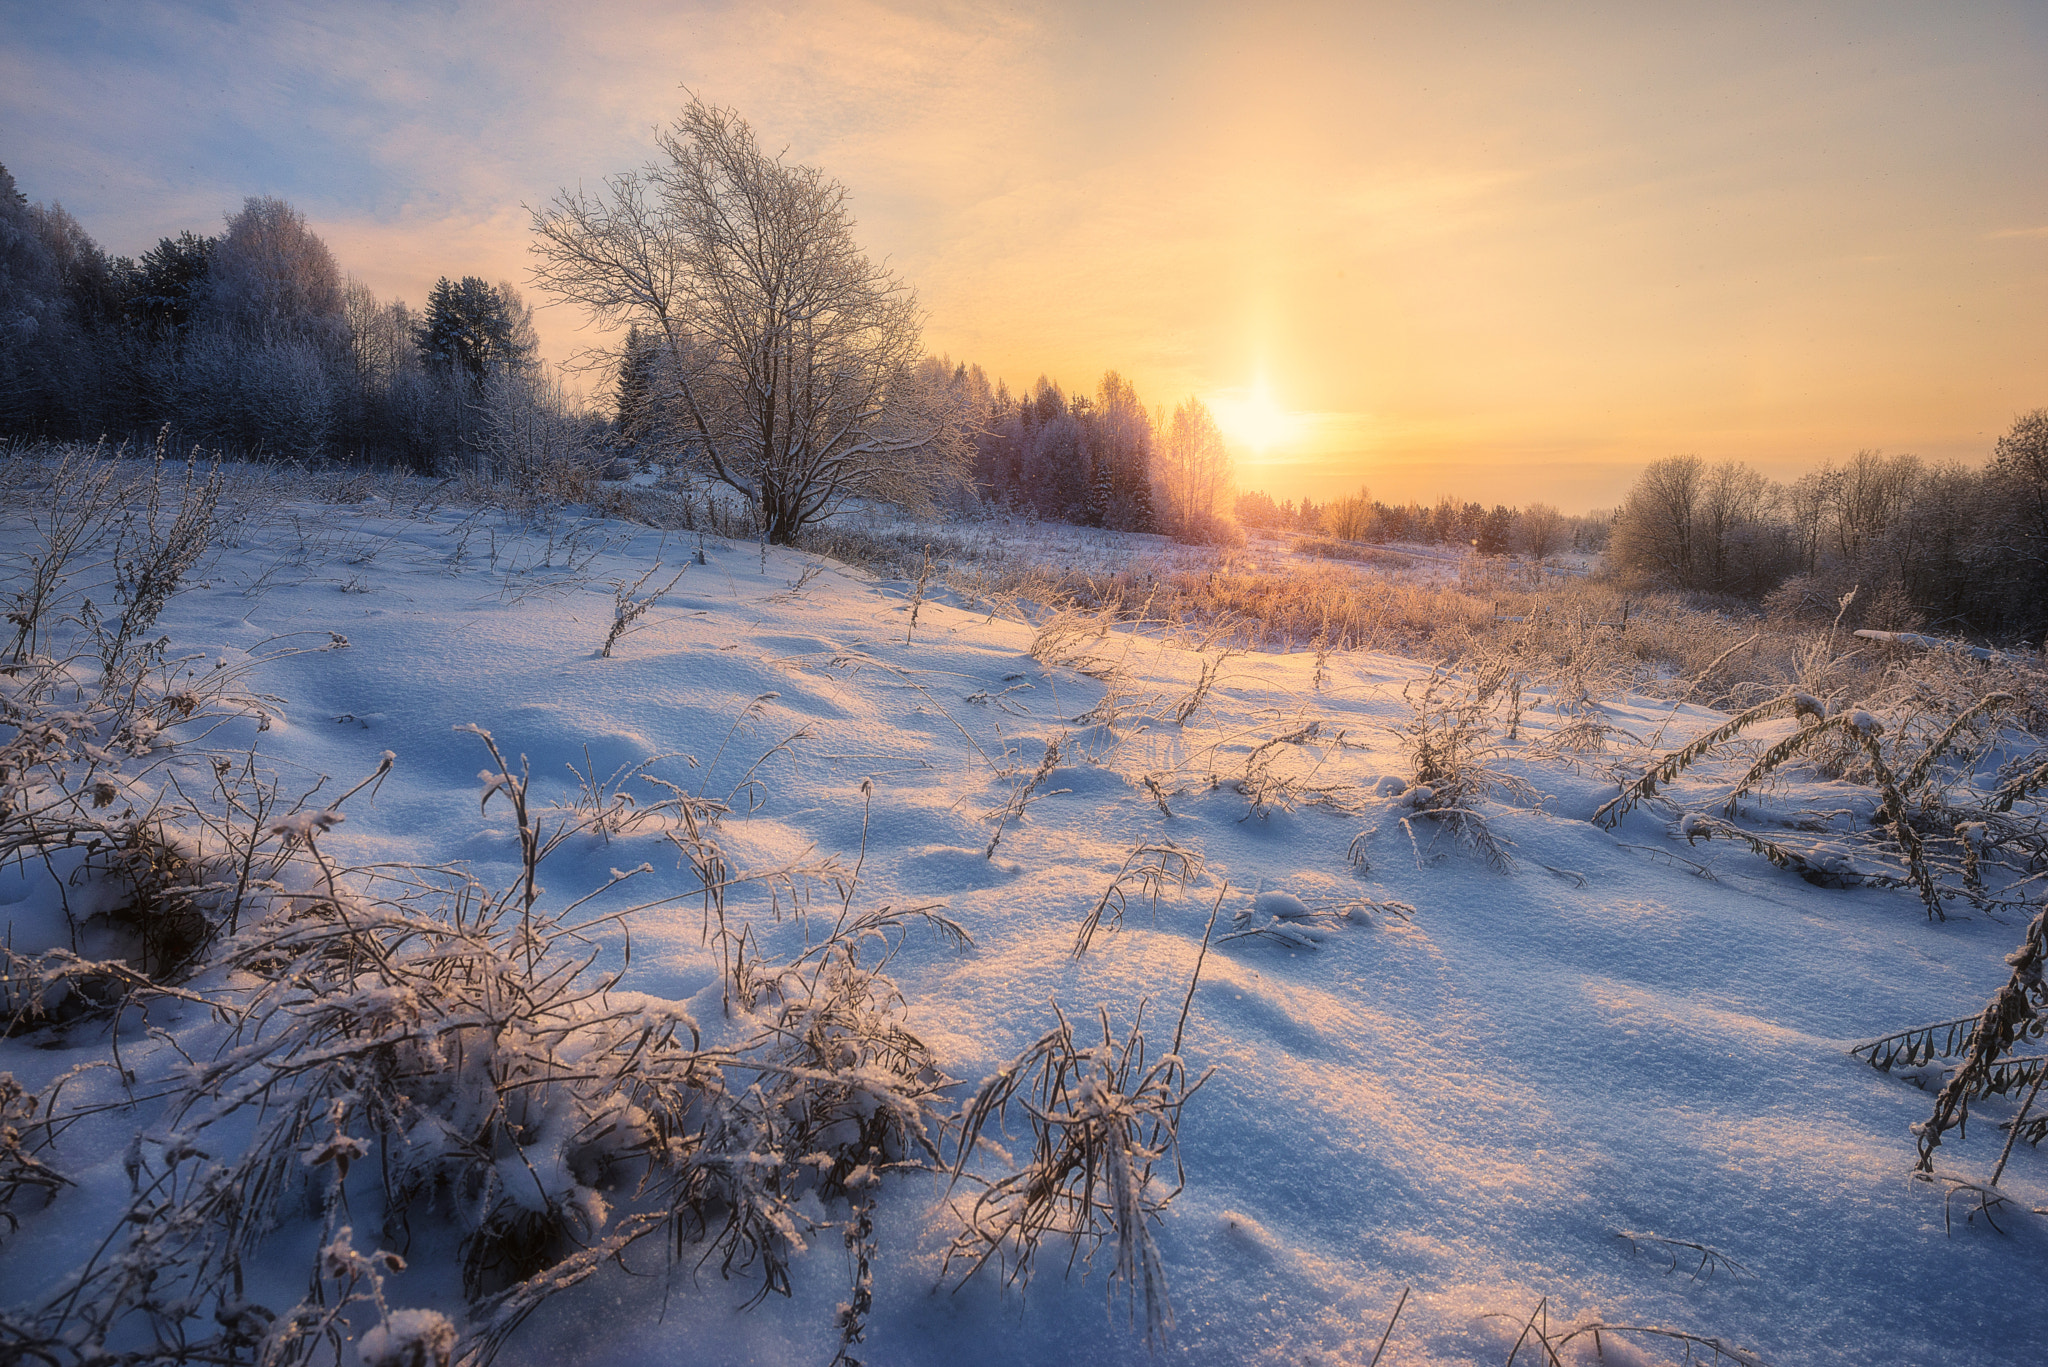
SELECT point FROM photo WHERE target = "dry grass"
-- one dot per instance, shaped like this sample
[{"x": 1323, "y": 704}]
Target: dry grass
[
  {"x": 1102, "y": 1118},
  {"x": 1554, "y": 1346},
  {"x": 460, "y": 1032},
  {"x": 1147, "y": 871},
  {"x": 1576, "y": 638}
]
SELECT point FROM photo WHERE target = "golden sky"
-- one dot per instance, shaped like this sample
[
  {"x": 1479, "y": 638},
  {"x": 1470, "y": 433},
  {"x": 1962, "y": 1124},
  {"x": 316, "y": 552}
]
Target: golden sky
[{"x": 1508, "y": 252}]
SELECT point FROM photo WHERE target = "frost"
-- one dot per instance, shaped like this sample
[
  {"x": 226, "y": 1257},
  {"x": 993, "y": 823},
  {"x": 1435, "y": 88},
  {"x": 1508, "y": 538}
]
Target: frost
[
  {"x": 301, "y": 825},
  {"x": 409, "y": 1338}
]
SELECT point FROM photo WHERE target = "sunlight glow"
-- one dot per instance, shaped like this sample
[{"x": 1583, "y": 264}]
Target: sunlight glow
[{"x": 1253, "y": 422}]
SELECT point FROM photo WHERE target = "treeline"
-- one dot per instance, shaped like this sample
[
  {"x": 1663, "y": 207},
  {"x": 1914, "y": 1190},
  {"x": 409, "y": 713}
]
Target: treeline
[
  {"x": 1103, "y": 460},
  {"x": 1538, "y": 530},
  {"x": 1100, "y": 460},
  {"x": 253, "y": 343},
  {"x": 1923, "y": 545}
]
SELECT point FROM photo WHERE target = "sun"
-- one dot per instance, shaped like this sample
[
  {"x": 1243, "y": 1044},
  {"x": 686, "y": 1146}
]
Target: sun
[{"x": 1251, "y": 419}]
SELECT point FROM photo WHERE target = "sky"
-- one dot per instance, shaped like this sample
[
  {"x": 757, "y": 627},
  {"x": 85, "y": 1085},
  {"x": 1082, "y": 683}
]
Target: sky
[{"x": 1506, "y": 252}]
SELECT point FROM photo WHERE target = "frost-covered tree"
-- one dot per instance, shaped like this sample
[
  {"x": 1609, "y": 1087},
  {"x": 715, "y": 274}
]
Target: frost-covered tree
[
  {"x": 1541, "y": 530},
  {"x": 1655, "y": 537},
  {"x": 2020, "y": 463},
  {"x": 2018, "y": 536},
  {"x": 1123, "y": 455},
  {"x": 272, "y": 275},
  {"x": 1349, "y": 518},
  {"x": 265, "y": 366},
  {"x": 1691, "y": 525},
  {"x": 1194, "y": 471},
  {"x": 634, "y": 407},
  {"x": 790, "y": 359},
  {"x": 1496, "y": 534},
  {"x": 60, "y": 302}
]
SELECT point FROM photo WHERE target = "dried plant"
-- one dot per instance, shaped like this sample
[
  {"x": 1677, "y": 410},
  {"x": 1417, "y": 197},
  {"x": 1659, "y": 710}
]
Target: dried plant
[
  {"x": 1269, "y": 786},
  {"x": 24, "y": 1132},
  {"x": 1146, "y": 871},
  {"x": 1301, "y": 924},
  {"x": 1552, "y": 1343},
  {"x": 1711, "y": 1259},
  {"x": 1667, "y": 770},
  {"x": 71, "y": 523},
  {"x": 462, "y": 1034},
  {"x": 1102, "y": 1119},
  {"x": 1196, "y": 696},
  {"x": 1022, "y": 795},
  {"x": 917, "y": 591},
  {"x": 1450, "y": 750},
  {"x": 628, "y": 610},
  {"x": 153, "y": 548},
  {"x": 1063, "y": 637},
  {"x": 2015, "y": 1012}
]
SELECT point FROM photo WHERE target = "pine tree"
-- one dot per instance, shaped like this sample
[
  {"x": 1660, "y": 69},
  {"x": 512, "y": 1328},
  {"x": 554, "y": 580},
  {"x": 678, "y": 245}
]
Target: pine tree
[
  {"x": 166, "y": 286},
  {"x": 470, "y": 326},
  {"x": 1496, "y": 531}
]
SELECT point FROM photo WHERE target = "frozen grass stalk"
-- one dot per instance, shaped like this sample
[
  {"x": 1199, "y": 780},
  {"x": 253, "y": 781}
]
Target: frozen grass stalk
[
  {"x": 1102, "y": 1119},
  {"x": 627, "y": 610}
]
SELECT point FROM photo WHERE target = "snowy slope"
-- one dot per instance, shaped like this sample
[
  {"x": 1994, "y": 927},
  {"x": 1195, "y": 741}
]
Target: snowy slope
[{"x": 1470, "y": 1103}]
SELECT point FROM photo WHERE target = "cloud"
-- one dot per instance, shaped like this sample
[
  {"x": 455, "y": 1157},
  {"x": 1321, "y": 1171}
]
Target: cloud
[{"x": 1522, "y": 234}]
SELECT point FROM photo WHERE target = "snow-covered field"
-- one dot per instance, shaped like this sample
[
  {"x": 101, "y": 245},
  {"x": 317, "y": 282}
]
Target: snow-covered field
[{"x": 1604, "y": 1034}]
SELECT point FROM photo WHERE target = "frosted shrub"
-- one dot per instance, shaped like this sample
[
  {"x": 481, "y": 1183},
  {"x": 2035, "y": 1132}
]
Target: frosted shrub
[
  {"x": 1982, "y": 1057},
  {"x": 409, "y": 1338}
]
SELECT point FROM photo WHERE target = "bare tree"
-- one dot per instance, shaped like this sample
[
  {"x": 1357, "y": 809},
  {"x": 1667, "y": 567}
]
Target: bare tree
[
  {"x": 788, "y": 359},
  {"x": 1194, "y": 472},
  {"x": 1688, "y": 524},
  {"x": 1543, "y": 530},
  {"x": 1867, "y": 495},
  {"x": 1654, "y": 536},
  {"x": 380, "y": 335},
  {"x": 1349, "y": 518}
]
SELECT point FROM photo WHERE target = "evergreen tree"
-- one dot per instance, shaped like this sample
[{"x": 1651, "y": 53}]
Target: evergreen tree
[
  {"x": 635, "y": 406},
  {"x": 166, "y": 286},
  {"x": 1496, "y": 531},
  {"x": 470, "y": 328}
]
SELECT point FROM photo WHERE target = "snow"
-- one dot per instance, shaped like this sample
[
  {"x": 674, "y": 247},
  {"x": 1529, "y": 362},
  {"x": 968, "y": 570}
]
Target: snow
[
  {"x": 1283, "y": 905},
  {"x": 408, "y": 1338},
  {"x": 1470, "y": 1104}
]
